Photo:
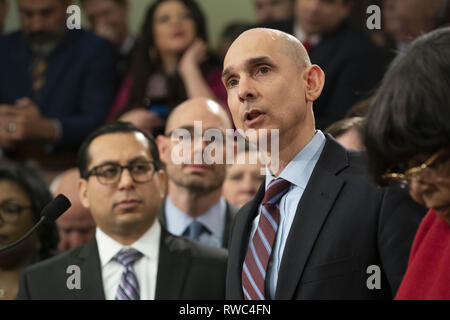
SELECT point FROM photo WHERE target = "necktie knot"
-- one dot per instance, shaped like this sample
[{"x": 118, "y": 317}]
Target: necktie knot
[
  {"x": 276, "y": 189},
  {"x": 127, "y": 257},
  {"x": 194, "y": 230}
]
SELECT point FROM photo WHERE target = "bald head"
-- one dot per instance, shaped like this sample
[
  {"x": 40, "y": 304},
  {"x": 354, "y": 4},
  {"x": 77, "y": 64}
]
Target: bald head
[
  {"x": 76, "y": 226},
  {"x": 198, "y": 109},
  {"x": 286, "y": 43}
]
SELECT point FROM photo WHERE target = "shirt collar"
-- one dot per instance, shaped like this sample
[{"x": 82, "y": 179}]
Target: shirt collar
[
  {"x": 127, "y": 45},
  {"x": 213, "y": 218},
  {"x": 299, "y": 169},
  {"x": 147, "y": 244}
]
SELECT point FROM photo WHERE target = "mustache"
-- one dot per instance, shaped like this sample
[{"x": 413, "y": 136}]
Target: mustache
[{"x": 41, "y": 36}]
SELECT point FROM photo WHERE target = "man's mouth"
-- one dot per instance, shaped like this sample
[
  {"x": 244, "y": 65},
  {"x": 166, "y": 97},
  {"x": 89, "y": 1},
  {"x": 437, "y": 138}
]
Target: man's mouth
[{"x": 252, "y": 117}]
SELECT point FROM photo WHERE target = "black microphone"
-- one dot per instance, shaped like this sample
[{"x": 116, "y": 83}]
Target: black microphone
[{"x": 52, "y": 211}]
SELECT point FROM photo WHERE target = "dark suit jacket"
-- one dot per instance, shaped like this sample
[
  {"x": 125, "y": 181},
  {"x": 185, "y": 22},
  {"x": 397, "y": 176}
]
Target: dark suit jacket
[
  {"x": 78, "y": 89},
  {"x": 353, "y": 67},
  {"x": 343, "y": 224},
  {"x": 229, "y": 216},
  {"x": 186, "y": 270}
]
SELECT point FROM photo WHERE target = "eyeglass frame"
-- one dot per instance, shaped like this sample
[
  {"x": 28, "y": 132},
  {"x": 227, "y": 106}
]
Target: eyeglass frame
[
  {"x": 129, "y": 166},
  {"x": 413, "y": 172},
  {"x": 21, "y": 209}
]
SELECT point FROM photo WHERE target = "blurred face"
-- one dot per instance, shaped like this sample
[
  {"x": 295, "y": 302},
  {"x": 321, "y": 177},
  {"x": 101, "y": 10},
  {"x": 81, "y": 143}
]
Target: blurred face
[
  {"x": 351, "y": 140},
  {"x": 242, "y": 181},
  {"x": 266, "y": 89},
  {"x": 320, "y": 16},
  {"x": 407, "y": 19},
  {"x": 43, "y": 20},
  {"x": 126, "y": 208},
  {"x": 3, "y": 11},
  {"x": 432, "y": 186},
  {"x": 174, "y": 28},
  {"x": 75, "y": 227},
  {"x": 272, "y": 10},
  {"x": 108, "y": 18},
  {"x": 16, "y": 218},
  {"x": 197, "y": 178}
]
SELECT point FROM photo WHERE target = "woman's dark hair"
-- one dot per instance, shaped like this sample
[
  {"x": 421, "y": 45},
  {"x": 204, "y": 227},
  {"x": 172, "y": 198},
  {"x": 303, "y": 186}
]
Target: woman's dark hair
[
  {"x": 410, "y": 113},
  {"x": 143, "y": 65},
  {"x": 39, "y": 195},
  {"x": 83, "y": 159}
]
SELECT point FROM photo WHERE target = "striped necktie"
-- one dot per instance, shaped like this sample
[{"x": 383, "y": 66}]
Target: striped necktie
[
  {"x": 38, "y": 69},
  {"x": 260, "y": 248},
  {"x": 129, "y": 285}
]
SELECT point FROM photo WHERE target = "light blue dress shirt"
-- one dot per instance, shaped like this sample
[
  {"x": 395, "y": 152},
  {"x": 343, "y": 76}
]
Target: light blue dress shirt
[
  {"x": 213, "y": 219},
  {"x": 297, "y": 172}
]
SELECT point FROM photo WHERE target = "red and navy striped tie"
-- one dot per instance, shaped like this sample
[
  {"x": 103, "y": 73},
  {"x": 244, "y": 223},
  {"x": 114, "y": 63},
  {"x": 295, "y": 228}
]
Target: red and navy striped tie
[{"x": 260, "y": 248}]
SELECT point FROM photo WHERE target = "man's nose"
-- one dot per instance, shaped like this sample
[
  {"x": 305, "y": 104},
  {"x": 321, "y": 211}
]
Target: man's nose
[
  {"x": 126, "y": 180},
  {"x": 36, "y": 23},
  {"x": 246, "y": 89}
]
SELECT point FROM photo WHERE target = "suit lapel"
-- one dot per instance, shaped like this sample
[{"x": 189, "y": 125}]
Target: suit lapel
[
  {"x": 173, "y": 266},
  {"x": 312, "y": 211},
  {"x": 229, "y": 216},
  {"x": 91, "y": 274},
  {"x": 240, "y": 240}
]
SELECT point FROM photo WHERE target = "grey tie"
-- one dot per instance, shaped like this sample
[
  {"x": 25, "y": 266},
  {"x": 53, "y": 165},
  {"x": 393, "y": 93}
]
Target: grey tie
[{"x": 194, "y": 230}]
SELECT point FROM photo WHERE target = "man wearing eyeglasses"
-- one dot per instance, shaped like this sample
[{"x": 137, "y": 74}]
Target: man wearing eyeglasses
[{"x": 132, "y": 257}]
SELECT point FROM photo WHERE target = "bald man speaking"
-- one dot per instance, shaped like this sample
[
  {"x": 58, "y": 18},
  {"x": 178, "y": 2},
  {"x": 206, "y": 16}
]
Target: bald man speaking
[{"x": 317, "y": 228}]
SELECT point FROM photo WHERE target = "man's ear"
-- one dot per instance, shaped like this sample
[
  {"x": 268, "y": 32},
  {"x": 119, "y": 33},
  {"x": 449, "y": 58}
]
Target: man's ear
[
  {"x": 161, "y": 178},
  {"x": 161, "y": 142},
  {"x": 82, "y": 191},
  {"x": 314, "y": 78}
]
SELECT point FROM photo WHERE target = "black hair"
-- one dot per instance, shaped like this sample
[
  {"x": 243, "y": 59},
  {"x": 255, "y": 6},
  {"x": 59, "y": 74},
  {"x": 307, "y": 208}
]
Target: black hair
[
  {"x": 410, "y": 113},
  {"x": 83, "y": 159},
  {"x": 39, "y": 195},
  {"x": 144, "y": 64}
]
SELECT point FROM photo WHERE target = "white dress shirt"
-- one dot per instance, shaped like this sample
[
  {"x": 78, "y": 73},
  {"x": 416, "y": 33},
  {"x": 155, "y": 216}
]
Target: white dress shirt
[
  {"x": 297, "y": 172},
  {"x": 146, "y": 267}
]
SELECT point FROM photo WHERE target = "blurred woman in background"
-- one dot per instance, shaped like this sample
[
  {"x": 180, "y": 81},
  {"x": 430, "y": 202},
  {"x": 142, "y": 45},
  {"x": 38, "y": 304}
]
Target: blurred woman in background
[
  {"x": 171, "y": 64},
  {"x": 407, "y": 136},
  {"x": 23, "y": 195}
]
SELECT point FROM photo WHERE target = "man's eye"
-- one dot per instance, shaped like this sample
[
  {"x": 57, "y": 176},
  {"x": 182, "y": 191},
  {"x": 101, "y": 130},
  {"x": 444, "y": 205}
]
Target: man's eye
[
  {"x": 141, "y": 168},
  {"x": 232, "y": 83},
  {"x": 108, "y": 172},
  {"x": 264, "y": 69}
]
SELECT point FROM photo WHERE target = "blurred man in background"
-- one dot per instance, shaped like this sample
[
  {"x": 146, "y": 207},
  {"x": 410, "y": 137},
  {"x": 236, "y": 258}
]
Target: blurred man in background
[{"x": 76, "y": 226}]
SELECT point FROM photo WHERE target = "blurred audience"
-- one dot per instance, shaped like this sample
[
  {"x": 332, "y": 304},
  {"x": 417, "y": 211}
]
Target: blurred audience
[
  {"x": 229, "y": 33},
  {"x": 408, "y": 141},
  {"x": 4, "y": 8},
  {"x": 405, "y": 20},
  {"x": 54, "y": 89},
  {"x": 273, "y": 10},
  {"x": 76, "y": 226},
  {"x": 353, "y": 65},
  {"x": 109, "y": 19},
  {"x": 23, "y": 194},
  {"x": 348, "y": 132},
  {"x": 171, "y": 63},
  {"x": 243, "y": 180},
  {"x": 194, "y": 206}
]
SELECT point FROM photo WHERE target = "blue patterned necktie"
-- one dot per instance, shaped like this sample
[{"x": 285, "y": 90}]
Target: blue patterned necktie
[
  {"x": 260, "y": 248},
  {"x": 194, "y": 230},
  {"x": 129, "y": 285}
]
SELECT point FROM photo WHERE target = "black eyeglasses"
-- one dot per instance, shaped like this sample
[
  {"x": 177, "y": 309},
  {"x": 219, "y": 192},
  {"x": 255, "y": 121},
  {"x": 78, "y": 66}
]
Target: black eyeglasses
[
  {"x": 110, "y": 173},
  {"x": 10, "y": 211}
]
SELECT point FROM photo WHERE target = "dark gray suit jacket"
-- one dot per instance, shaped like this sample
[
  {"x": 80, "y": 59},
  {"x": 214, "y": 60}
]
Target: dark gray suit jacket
[
  {"x": 343, "y": 225},
  {"x": 186, "y": 270},
  {"x": 229, "y": 216}
]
